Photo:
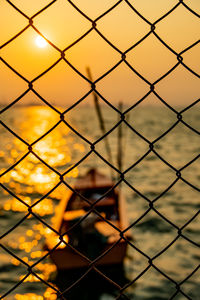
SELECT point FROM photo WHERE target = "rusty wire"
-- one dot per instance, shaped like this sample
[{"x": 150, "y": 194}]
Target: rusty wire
[{"x": 122, "y": 115}]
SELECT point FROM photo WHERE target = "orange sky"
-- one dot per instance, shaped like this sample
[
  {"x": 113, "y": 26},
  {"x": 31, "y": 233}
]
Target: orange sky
[{"x": 62, "y": 25}]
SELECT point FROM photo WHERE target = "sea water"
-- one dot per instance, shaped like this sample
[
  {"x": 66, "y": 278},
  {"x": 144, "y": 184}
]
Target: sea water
[{"x": 173, "y": 258}]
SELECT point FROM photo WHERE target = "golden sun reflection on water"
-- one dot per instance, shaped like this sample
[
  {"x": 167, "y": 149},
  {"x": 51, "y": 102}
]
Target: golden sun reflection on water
[
  {"x": 30, "y": 180},
  {"x": 31, "y": 175},
  {"x": 48, "y": 295}
]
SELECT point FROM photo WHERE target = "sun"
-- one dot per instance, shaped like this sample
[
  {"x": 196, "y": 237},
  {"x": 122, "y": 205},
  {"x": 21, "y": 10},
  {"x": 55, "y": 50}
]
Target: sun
[{"x": 41, "y": 42}]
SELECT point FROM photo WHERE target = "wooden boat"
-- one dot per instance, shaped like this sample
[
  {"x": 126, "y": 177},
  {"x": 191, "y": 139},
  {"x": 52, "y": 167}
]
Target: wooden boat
[{"x": 93, "y": 236}]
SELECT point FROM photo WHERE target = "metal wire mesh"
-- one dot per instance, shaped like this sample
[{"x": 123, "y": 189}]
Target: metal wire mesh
[{"x": 92, "y": 265}]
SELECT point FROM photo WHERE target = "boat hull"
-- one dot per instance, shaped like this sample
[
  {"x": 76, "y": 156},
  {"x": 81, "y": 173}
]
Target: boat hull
[{"x": 66, "y": 258}]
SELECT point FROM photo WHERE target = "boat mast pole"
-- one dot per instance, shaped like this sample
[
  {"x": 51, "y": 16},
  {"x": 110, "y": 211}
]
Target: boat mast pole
[
  {"x": 101, "y": 121},
  {"x": 120, "y": 134}
]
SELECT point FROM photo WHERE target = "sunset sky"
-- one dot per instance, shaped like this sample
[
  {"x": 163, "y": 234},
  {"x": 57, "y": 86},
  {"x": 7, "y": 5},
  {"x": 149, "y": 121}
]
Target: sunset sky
[{"x": 61, "y": 24}]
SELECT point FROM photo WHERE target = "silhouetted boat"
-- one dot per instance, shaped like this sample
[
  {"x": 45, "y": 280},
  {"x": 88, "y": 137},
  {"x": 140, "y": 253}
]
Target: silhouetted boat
[{"x": 92, "y": 236}]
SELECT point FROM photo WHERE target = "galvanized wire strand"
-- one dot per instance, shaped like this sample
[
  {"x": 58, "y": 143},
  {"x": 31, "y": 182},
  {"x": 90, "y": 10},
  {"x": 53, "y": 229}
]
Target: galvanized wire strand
[{"x": 123, "y": 59}]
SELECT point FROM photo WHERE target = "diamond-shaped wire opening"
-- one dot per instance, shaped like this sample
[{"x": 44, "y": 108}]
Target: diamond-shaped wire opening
[
  {"x": 151, "y": 59},
  {"x": 114, "y": 89},
  {"x": 143, "y": 176},
  {"x": 30, "y": 175},
  {"x": 54, "y": 86},
  {"x": 42, "y": 118},
  {"x": 61, "y": 148},
  {"x": 89, "y": 52},
  {"x": 101, "y": 138},
  {"x": 151, "y": 118},
  {"x": 122, "y": 34}
]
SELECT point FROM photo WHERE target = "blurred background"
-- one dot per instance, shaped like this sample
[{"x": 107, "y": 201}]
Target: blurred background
[{"x": 29, "y": 113}]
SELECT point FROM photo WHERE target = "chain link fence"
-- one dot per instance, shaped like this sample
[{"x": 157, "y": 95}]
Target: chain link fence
[{"x": 122, "y": 175}]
